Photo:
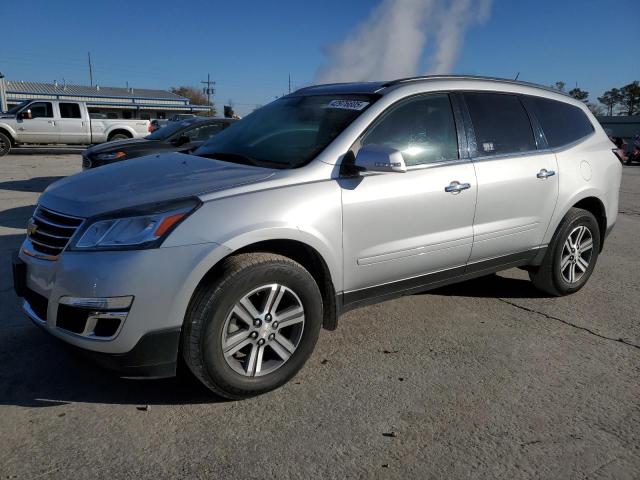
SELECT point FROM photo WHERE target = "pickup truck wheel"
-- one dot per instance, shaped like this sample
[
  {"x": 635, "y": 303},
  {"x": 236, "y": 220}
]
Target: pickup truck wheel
[
  {"x": 5, "y": 145},
  {"x": 254, "y": 327},
  {"x": 118, "y": 136},
  {"x": 571, "y": 255}
]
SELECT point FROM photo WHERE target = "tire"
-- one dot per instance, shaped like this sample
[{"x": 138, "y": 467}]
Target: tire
[
  {"x": 118, "y": 136},
  {"x": 554, "y": 276},
  {"x": 217, "y": 322},
  {"x": 5, "y": 145}
]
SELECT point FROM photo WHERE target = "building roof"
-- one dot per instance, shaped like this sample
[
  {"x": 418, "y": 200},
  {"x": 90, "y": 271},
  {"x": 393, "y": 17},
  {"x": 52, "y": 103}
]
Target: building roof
[{"x": 83, "y": 90}]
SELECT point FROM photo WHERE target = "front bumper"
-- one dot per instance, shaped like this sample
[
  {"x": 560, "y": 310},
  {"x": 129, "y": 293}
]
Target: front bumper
[{"x": 160, "y": 280}]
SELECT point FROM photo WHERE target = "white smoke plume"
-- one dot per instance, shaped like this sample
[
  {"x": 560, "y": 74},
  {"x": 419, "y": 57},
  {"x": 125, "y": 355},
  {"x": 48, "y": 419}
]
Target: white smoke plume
[{"x": 391, "y": 42}]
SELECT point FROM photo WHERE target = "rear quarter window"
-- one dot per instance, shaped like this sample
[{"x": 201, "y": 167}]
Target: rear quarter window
[{"x": 562, "y": 123}]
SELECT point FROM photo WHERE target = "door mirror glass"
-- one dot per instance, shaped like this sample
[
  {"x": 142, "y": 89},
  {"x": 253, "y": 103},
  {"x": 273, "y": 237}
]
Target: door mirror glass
[
  {"x": 26, "y": 115},
  {"x": 378, "y": 158}
]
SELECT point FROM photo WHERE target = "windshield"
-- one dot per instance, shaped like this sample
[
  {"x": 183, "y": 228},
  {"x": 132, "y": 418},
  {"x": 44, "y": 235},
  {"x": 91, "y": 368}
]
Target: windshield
[
  {"x": 169, "y": 129},
  {"x": 15, "y": 109},
  {"x": 288, "y": 132}
]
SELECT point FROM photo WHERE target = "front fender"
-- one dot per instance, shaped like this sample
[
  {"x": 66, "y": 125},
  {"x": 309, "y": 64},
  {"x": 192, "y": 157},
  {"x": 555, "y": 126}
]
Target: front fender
[{"x": 9, "y": 129}]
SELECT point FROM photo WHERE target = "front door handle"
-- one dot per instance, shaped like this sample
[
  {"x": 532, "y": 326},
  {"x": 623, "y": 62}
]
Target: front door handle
[
  {"x": 544, "y": 173},
  {"x": 456, "y": 187}
]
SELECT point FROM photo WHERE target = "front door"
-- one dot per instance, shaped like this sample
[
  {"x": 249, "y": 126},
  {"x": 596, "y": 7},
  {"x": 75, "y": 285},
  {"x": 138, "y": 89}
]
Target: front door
[
  {"x": 401, "y": 227},
  {"x": 41, "y": 127},
  {"x": 517, "y": 184}
]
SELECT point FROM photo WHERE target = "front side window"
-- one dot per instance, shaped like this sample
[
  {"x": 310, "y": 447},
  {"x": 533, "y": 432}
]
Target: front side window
[
  {"x": 287, "y": 133},
  {"x": 422, "y": 128},
  {"x": 69, "y": 110},
  {"x": 41, "y": 110},
  {"x": 501, "y": 124},
  {"x": 562, "y": 123}
]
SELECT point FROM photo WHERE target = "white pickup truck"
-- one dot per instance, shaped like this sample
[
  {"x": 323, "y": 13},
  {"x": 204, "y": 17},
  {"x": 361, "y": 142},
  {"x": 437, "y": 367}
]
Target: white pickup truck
[{"x": 62, "y": 122}]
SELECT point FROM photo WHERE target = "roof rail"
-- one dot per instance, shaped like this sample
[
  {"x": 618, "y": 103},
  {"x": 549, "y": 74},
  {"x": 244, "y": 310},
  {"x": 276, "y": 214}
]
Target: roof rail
[{"x": 472, "y": 77}]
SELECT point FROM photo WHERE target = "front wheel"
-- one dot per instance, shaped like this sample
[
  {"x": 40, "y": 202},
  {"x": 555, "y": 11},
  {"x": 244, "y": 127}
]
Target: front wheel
[
  {"x": 571, "y": 256},
  {"x": 5, "y": 145},
  {"x": 254, "y": 327}
]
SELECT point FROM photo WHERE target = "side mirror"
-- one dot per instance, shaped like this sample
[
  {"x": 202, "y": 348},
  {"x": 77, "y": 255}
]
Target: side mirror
[
  {"x": 26, "y": 115},
  {"x": 376, "y": 158}
]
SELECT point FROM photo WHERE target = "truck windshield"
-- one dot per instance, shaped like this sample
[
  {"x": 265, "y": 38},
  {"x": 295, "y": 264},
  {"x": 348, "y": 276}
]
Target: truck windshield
[
  {"x": 287, "y": 133},
  {"x": 15, "y": 109}
]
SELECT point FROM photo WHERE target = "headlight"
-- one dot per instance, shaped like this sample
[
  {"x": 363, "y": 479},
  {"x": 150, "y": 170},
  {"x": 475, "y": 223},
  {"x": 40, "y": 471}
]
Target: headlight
[
  {"x": 134, "y": 229},
  {"x": 110, "y": 156}
]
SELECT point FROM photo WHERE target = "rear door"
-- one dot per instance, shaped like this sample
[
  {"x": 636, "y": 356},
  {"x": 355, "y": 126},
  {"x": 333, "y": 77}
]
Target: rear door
[
  {"x": 517, "y": 180},
  {"x": 41, "y": 128},
  {"x": 401, "y": 229},
  {"x": 73, "y": 127}
]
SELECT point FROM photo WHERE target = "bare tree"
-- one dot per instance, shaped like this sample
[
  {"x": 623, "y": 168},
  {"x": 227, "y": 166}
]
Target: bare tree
[{"x": 195, "y": 96}]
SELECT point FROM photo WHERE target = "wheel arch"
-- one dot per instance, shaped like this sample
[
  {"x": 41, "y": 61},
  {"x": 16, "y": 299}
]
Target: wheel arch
[
  {"x": 9, "y": 134},
  {"x": 587, "y": 200},
  {"x": 300, "y": 251},
  {"x": 122, "y": 130}
]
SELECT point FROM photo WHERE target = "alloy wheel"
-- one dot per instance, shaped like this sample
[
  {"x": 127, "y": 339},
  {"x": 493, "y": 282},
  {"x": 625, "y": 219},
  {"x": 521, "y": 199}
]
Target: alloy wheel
[
  {"x": 263, "y": 330},
  {"x": 576, "y": 254}
]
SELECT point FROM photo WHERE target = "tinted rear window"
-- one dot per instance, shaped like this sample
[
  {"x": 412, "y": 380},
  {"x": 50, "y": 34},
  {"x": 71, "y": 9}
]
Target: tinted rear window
[
  {"x": 562, "y": 123},
  {"x": 501, "y": 124}
]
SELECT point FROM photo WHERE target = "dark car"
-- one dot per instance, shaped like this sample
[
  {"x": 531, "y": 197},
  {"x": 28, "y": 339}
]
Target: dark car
[{"x": 182, "y": 136}]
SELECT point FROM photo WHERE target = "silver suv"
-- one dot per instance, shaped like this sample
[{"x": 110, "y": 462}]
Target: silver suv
[{"x": 231, "y": 259}]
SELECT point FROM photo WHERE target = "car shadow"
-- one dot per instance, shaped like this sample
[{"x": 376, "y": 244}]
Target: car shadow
[
  {"x": 36, "y": 184},
  {"x": 491, "y": 286},
  {"x": 47, "y": 150},
  {"x": 45, "y": 372},
  {"x": 16, "y": 217}
]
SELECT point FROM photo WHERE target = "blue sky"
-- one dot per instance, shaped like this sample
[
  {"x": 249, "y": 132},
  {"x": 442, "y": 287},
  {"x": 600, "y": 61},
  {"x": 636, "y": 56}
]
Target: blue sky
[{"x": 250, "y": 47}]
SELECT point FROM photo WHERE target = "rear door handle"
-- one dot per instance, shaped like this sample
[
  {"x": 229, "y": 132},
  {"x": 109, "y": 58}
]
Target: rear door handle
[
  {"x": 544, "y": 173},
  {"x": 456, "y": 187}
]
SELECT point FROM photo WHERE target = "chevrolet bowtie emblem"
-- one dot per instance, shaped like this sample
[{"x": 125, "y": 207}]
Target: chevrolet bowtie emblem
[{"x": 31, "y": 227}]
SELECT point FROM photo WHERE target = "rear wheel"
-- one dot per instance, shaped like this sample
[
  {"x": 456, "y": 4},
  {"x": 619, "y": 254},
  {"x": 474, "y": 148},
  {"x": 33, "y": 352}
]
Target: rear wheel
[
  {"x": 253, "y": 328},
  {"x": 118, "y": 136},
  {"x": 571, "y": 256},
  {"x": 5, "y": 145}
]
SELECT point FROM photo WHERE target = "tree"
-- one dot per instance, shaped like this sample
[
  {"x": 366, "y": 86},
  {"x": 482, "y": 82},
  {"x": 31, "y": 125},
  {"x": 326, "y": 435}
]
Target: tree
[
  {"x": 559, "y": 86},
  {"x": 195, "y": 96},
  {"x": 579, "y": 94},
  {"x": 611, "y": 99},
  {"x": 596, "y": 109},
  {"x": 631, "y": 98}
]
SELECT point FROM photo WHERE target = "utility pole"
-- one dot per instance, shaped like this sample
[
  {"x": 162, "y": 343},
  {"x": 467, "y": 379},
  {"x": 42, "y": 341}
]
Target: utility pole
[
  {"x": 289, "y": 83},
  {"x": 3, "y": 94},
  {"x": 209, "y": 90},
  {"x": 90, "y": 70}
]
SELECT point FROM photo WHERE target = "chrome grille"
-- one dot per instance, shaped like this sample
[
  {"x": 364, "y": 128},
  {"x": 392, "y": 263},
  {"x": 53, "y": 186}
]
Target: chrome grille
[{"x": 49, "y": 232}]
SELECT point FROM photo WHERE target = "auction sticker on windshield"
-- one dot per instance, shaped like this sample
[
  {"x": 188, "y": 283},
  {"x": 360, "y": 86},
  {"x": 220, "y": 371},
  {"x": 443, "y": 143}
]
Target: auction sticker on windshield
[{"x": 347, "y": 104}]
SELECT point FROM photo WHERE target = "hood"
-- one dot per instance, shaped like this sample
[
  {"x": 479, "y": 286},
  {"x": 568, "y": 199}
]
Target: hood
[
  {"x": 150, "y": 179},
  {"x": 118, "y": 144}
]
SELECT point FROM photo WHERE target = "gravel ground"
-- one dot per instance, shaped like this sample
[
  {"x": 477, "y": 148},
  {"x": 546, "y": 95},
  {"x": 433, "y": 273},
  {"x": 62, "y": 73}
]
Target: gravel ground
[{"x": 485, "y": 379}]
